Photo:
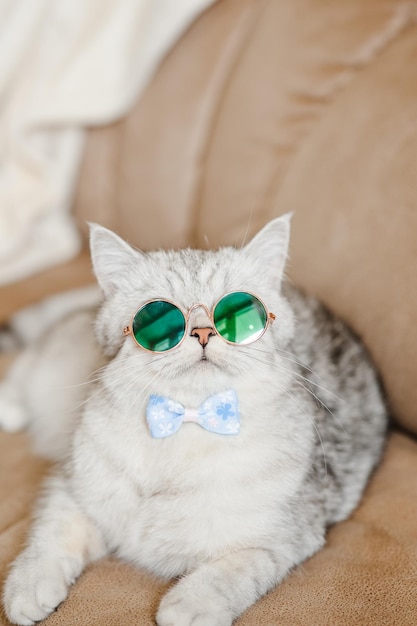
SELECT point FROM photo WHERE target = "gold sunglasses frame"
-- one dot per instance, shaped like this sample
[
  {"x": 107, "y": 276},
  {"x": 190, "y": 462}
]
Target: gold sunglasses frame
[{"x": 270, "y": 318}]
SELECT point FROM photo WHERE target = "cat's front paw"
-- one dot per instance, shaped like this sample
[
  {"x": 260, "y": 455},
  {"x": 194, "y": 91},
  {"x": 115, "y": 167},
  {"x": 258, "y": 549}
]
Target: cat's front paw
[
  {"x": 181, "y": 607},
  {"x": 34, "y": 589}
]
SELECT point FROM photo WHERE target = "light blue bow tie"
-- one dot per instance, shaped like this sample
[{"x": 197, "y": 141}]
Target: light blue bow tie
[{"x": 218, "y": 414}]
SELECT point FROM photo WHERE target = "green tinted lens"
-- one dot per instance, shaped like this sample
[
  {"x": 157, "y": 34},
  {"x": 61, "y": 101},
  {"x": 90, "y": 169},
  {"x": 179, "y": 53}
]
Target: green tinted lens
[
  {"x": 158, "y": 326},
  {"x": 240, "y": 317}
]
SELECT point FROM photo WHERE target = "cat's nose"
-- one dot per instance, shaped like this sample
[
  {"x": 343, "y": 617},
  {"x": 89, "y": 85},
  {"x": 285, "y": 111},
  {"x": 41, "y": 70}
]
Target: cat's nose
[{"x": 203, "y": 334}]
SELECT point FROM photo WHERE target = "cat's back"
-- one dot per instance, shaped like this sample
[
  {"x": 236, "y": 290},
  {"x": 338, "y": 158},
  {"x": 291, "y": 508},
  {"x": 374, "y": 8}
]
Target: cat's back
[
  {"x": 324, "y": 347},
  {"x": 339, "y": 387}
]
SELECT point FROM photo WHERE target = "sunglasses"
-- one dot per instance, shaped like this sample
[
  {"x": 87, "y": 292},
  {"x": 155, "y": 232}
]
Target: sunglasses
[{"x": 239, "y": 318}]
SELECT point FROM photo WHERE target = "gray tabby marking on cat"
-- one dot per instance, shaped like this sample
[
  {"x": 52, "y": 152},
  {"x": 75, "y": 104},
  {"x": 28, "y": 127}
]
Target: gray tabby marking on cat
[{"x": 231, "y": 514}]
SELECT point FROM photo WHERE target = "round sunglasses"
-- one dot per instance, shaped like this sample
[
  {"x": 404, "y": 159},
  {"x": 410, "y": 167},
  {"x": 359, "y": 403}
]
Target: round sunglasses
[{"x": 238, "y": 318}]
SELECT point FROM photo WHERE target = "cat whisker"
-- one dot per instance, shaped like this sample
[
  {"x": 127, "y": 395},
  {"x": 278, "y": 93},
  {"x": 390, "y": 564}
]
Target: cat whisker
[
  {"x": 245, "y": 236},
  {"x": 295, "y": 359},
  {"x": 289, "y": 356},
  {"x": 316, "y": 428},
  {"x": 83, "y": 402},
  {"x": 100, "y": 374},
  {"x": 120, "y": 393},
  {"x": 304, "y": 366},
  {"x": 294, "y": 377}
]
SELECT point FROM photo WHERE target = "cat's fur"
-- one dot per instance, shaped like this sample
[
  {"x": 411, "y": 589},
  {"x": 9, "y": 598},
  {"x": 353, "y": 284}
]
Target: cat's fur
[{"x": 231, "y": 515}]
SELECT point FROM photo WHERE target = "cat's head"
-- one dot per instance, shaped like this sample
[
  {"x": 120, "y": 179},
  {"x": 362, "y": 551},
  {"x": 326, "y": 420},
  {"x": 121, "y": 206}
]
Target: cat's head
[{"x": 130, "y": 278}]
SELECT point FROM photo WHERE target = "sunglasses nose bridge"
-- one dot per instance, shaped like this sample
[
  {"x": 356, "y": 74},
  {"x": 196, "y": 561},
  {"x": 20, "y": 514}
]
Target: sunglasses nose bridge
[{"x": 199, "y": 316}]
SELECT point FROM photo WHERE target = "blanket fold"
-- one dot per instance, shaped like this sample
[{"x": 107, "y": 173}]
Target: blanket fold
[{"x": 65, "y": 66}]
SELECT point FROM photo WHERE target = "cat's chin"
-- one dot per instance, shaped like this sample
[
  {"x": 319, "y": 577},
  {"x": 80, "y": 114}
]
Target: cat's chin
[
  {"x": 205, "y": 369},
  {"x": 205, "y": 364}
]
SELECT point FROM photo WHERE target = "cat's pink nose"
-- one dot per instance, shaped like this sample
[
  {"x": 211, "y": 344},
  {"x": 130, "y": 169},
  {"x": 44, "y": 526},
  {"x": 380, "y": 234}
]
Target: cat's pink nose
[{"x": 203, "y": 335}]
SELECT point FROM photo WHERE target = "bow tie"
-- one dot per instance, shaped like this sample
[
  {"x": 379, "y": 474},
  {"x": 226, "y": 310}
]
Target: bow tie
[{"x": 218, "y": 414}]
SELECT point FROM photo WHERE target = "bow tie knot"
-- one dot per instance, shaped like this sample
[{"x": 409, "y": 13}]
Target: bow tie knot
[{"x": 218, "y": 414}]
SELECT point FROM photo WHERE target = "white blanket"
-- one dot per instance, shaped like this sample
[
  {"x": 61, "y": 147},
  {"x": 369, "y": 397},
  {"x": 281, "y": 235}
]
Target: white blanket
[{"x": 65, "y": 65}]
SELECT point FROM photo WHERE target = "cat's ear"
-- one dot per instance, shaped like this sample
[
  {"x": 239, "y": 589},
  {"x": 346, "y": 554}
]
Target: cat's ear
[
  {"x": 111, "y": 256},
  {"x": 270, "y": 245}
]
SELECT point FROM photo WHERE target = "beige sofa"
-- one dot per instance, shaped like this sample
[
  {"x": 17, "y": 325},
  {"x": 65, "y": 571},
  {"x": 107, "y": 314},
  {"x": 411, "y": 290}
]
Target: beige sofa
[{"x": 266, "y": 106}]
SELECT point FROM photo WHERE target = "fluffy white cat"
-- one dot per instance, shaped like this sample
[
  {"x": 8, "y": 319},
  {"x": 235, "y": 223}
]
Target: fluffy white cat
[{"x": 230, "y": 513}]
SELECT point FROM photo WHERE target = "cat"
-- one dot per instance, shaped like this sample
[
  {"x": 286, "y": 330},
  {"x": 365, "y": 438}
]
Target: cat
[{"x": 229, "y": 514}]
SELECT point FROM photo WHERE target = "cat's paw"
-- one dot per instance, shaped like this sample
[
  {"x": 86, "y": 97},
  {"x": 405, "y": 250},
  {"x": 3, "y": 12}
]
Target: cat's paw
[
  {"x": 34, "y": 589},
  {"x": 181, "y": 607},
  {"x": 13, "y": 417}
]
